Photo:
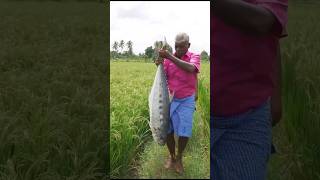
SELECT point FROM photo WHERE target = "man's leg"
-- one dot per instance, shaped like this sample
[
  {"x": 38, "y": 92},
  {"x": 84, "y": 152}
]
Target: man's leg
[
  {"x": 243, "y": 150},
  {"x": 181, "y": 146},
  {"x": 171, "y": 147},
  {"x": 182, "y": 122}
]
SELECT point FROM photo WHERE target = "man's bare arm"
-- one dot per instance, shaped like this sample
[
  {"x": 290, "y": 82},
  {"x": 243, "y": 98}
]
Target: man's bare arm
[
  {"x": 248, "y": 17},
  {"x": 189, "y": 67},
  {"x": 276, "y": 103},
  {"x": 196, "y": 96}
]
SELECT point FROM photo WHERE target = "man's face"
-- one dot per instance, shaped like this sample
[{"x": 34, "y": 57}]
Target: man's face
[{"x": 181, "y": 48}]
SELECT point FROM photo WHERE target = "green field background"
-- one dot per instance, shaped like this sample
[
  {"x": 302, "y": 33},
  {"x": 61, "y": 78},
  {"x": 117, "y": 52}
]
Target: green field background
[
  {"x": 297, "y": 136},
  {"x": 53, "y": 85}
]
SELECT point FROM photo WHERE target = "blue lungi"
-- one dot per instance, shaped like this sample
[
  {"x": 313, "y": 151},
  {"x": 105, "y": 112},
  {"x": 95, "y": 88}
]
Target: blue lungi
[
  {"x": 240, "y": 145},
  {"x": 181, "y": 116}
]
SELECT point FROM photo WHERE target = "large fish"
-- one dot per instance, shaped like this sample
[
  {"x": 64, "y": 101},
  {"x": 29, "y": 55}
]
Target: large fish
[{"x": 159, "y": 104}]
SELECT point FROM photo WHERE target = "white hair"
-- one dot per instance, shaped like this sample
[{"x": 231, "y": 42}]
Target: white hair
[{"x": 182, "y": 37}]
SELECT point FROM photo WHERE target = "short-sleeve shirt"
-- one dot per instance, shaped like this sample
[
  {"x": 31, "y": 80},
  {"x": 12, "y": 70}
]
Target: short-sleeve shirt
[
  {"x": 180, "y": 82},
  {"x": 242, "y": 64}
]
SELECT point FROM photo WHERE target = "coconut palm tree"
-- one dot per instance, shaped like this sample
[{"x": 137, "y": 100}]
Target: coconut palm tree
[
  {"x": 115, "y": 46},
  {"x": 129, "y": 46},
  {"x": 121, "y": 45}
]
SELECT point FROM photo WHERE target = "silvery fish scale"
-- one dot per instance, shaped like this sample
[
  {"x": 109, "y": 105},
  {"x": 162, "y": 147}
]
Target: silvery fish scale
[{"x": 159, "y": 107}]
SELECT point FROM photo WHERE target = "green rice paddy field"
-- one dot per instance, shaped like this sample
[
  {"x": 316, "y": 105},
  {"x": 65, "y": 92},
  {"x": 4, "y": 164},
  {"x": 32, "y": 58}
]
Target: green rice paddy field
[
  {"x": 297, "y": 136},
  {"x": 53, "y": 85}
]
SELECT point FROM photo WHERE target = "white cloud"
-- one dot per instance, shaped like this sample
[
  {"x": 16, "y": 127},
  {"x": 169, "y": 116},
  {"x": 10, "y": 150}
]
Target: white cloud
[{"x": 146, "y": 22}]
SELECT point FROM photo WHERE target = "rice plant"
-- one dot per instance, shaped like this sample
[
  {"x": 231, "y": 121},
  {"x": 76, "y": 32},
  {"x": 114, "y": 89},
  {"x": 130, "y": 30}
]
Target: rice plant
[
  {"x": 297, "y": 134},
  {"x": 52, "y": 95}
]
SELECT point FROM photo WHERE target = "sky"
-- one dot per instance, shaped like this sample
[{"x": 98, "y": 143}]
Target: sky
[{"x": 146, "y": 22}]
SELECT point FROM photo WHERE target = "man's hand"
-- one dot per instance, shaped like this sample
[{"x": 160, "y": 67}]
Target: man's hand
[
  {"x": 158, "y": 61},
  {"x": 165, "y": 54},
  {"x": 276, "y": 110}
]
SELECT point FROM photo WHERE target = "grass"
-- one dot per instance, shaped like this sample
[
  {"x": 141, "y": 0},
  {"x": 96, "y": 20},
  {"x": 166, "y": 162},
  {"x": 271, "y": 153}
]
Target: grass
[
  {"x": 133, "y": 152},
  {"x": 52, "y": 107},
  {"x": 129, "y": 113},
  {"x": 297, "y": 135}
]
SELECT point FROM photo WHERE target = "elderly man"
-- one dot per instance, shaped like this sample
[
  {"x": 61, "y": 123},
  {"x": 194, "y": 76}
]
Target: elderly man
[{"x": 181, "y": 69}]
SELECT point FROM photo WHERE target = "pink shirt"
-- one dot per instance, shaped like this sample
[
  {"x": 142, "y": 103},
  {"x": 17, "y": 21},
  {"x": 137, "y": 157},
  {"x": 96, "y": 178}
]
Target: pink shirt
[
  {"x": 182, "y": 83},
  {"x": 243, "y": 64}
]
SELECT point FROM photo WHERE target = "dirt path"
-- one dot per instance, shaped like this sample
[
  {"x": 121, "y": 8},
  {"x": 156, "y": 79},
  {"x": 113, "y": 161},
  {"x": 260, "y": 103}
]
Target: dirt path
[{"x": 196, "y": 159}]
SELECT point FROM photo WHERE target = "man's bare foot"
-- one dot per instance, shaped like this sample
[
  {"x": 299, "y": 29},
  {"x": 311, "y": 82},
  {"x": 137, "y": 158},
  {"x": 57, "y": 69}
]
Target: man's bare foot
[
  {"x": 179, "y": 166},
  {"x": 170, "y": 163}
]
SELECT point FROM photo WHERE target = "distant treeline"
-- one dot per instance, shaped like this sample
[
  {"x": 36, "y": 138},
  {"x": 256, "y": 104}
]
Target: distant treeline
[{"x": 124, "y": 50}]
